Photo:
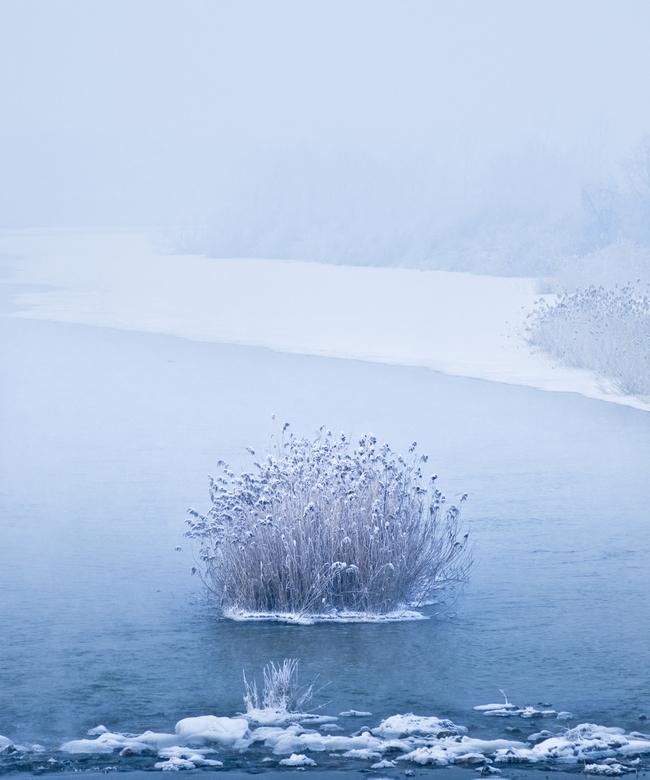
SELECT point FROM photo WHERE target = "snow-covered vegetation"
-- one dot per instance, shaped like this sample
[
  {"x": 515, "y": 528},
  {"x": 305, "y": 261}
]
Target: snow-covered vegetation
[
  {"x": 281, "y": 690},
  {"x": 605, "y": 331},
  {"x": 283, "y": 698},
  {"x": 600, "y": 320},
  {"x": 323, "y": 530}
]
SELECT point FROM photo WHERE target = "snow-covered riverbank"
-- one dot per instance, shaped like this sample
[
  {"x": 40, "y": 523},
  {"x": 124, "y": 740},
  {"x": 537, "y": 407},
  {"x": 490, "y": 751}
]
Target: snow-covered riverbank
[{"x": 456, "y": 323}]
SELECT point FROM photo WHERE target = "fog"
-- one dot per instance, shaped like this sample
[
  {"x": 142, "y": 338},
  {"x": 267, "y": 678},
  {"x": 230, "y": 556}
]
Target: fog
[
  {"x": 161, "y": 162},
  {"x": 480, "y": 136}
]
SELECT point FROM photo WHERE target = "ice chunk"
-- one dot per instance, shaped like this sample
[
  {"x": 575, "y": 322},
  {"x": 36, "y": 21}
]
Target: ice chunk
[
  {"x": 540, "y": 736},
  {"x": 295, "y": 739},
  {"x": 354, "y": 714},
  {"x": 174, "y": 764},
  {"x": 297, "y": 759},
  {"x": 398, "y": 725},
  {"x": 89, "y": 746},
  {"x": 606, "y": 770},
  {"x": 363, "y": 753},
  {"x": 384, "y": 764},
  {"x": 437, "y": 756},
  {"x": 461, "y": 750},
  {"x": 508, "y": 709},
  {"x": 5, "y": 743},
  {"x": 157, "y": 740},
  {"x": 181, "y": 752},
  {"x": 185, "y": 758},
  {"x": 209, "y": 728},
  {"x": 108, "y": 741},
  {"x": 471, "y": 759},
  {"x": 269, "y": 716},
  {"x": 136, "y": 749},
  {"x": 176, "y": 756},
  {"x": 590, "y": 742}
]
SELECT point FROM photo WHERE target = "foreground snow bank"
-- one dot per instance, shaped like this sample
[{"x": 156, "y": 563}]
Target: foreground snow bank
[
  {"x": 423, "y": 740},
  {"x": 457, "y": 323}
]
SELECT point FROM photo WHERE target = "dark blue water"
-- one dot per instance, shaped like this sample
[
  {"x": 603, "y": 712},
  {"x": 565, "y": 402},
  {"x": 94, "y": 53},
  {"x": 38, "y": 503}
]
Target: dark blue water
[{"x": 107, "y": 438}]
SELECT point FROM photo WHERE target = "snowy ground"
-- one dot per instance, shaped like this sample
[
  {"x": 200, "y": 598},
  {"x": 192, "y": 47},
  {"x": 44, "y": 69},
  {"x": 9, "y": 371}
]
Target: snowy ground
[{"x": 459, "y": 324}]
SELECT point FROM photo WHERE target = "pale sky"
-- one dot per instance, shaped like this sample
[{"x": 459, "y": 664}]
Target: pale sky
[{"x": 126, "y": 111}]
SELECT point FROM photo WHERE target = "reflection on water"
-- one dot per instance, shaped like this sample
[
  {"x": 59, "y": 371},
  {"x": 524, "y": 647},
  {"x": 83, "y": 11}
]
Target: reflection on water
[{"x": 107, "y": 438}]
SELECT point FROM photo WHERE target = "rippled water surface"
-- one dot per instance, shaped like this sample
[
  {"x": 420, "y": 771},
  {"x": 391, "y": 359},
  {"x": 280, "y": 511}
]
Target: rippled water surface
[{"x": 108, "y": 437}]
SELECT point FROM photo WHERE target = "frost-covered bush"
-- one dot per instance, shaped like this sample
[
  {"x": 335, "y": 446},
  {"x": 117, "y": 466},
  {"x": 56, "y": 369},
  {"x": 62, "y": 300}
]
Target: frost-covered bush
[
  {"x": 605, "y": 331},
  {"x": 320, "y": 528},
  {"x": 281, "y": 692}
]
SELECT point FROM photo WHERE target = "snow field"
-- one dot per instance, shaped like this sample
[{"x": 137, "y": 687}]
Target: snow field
[{"x": 456, "y": 323}]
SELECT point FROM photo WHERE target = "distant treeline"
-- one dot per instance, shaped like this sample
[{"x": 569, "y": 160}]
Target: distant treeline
[{"x": 536, "y": 213}]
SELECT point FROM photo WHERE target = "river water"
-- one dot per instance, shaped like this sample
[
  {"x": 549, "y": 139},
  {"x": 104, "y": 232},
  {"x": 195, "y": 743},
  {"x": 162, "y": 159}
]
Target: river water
[{"x": 107, "y": 437}]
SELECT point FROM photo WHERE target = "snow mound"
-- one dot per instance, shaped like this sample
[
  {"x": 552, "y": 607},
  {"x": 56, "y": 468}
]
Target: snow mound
[
  {"x": 296, "y": 739},
  {"x": 297, "y": 759},
  {"x": 605, "y": 769},
  {"x": 363, "y": 753},
  {"x": 385, "y": 763},
  {"x": 5, "y": 743},
  {"x": 460, "y": 750},
  {"x": 174, "y": 764},
  {"x": 108, "y": 741},
  {"x": 209, "y": 728},
  {"x": 409, "y": 724},
  {"x": 268, "y": 716},
  {"x": 183, "y": 758}
]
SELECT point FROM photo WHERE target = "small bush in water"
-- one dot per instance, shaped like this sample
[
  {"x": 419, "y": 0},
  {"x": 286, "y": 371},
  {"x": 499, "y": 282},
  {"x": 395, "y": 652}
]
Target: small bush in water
[
  {"x": 281, "y": 691},
  {"x": 320, "y": 528}
]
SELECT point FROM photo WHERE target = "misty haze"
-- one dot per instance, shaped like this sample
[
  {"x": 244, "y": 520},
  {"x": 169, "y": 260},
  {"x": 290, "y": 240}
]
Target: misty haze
[{"x": 324, "y": 386}]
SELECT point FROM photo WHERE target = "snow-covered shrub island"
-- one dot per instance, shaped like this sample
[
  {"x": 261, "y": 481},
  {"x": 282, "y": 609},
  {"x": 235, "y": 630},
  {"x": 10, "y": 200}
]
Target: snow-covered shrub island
[
  {"x": 605, "y": 331},
  {"x": 321, "y": 530}
]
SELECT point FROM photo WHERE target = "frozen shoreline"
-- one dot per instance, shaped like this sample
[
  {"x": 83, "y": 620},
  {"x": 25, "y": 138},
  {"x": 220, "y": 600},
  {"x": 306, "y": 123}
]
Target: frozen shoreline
[{"x": 455, "y": 323}]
